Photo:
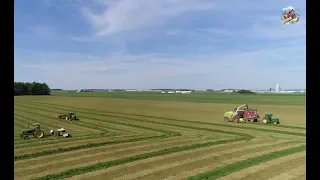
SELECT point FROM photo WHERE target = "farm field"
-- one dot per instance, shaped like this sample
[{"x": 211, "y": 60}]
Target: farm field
[{"x": 160, "y": 136}]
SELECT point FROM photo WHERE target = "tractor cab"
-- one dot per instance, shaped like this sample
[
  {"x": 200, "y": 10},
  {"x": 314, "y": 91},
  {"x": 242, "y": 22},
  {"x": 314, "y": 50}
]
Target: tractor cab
[
  {"x": 270, "y": 119},
  {"x": 36, "y": 125},
  {"x": 72, "y": 116}
]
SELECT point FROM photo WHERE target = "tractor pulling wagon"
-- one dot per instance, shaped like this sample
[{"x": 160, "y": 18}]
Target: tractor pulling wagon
[
  {"x": 69, "y": 117},
  {"x": 36, "y": 132},
  {"x": 244, "y": 114}
]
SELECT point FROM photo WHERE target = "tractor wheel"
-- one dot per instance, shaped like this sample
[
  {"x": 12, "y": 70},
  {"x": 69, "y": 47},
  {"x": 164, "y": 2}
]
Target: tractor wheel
[
  {"x": 264, "y": 121},
  {"x": 39, "y": 134},
  {"x": 25, "y": 137},
  {"x": 236, "y": 119},
  {"x": 275, "y": 122},
  {"x": 226, "y": 119}
]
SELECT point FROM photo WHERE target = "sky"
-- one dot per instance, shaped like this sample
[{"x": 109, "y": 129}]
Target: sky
[{"x": 143, "y": 44}]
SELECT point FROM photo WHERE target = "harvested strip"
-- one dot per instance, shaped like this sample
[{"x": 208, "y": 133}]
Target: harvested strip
[
  {"x": 230, "y": 168},
  {"x": 133, "y": 125},
  {"x": 300, "y": 177},
  {"x": 91, "y": 125},
  {"x": 91, "y": 145},
  {"x": 108, "y": 151},
  {"x": 36, "y": 149},
  {"x": 222, "y": 125},
  {"x": 56, "y": 123},
  {"x": 44, "y": 115},
  {"x": 117, "y": 146},
  {"x": 172, "y": 119},
  {"x": 55, "y": 140},
  {"x": 270, "y": 168},
  {"x": 110, "y": 148},
  {"x": 299, "y": 172},
  {"x": 164, "y": 166},
  {"x": 90, "y": 159},
  {"x": 103, "y": 165}
]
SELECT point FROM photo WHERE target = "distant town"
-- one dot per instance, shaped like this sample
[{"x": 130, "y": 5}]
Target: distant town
[{"x": 277, "y": 89}]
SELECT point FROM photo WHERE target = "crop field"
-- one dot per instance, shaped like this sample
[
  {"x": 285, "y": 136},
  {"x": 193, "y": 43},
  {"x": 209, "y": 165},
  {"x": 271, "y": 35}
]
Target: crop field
[{"x": 146, "y": 136}]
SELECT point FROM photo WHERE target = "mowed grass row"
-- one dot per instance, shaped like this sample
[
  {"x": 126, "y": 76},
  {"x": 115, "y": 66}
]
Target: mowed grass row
[
  {"x": 101, "y": 125},
  {"x": 192, "y": 147},
  {"x": 46, "y": 152},
  {"x": 119, "y": 121},
  {"x": 203, "y": 129},
  {"x": 123, "y": 121},
  {"x": 170, "y": 122},
  {"x": 74, "y": 161},
  {"x": 176, "y": 163},
  {"x": 287, "y": 167},
  {"x": 108, "y": 164},
  {"x": 43, "y": 104},
  {"x": 240, "y": 165}
]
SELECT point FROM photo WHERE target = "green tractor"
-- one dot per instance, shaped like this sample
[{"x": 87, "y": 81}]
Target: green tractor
[
  {"x": 69, "y": 117},
  {"x": 270, "y": 119},
  {"x": 36, "y": 132}
]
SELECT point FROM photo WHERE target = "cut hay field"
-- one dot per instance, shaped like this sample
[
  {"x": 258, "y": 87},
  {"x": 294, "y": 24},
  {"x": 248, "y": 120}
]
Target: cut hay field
[{"x": 160, "y": 136}]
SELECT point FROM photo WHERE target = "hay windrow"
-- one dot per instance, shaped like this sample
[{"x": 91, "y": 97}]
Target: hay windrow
[{"x": 191, "y": 130}]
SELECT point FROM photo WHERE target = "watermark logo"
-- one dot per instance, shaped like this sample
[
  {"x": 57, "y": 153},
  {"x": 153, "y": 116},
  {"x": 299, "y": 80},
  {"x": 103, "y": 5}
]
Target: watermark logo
[{"x": 289, "y": 15}]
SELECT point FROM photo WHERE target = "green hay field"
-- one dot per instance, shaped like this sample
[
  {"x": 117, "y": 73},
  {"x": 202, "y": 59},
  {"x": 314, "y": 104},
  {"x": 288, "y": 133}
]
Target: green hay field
[{"x": 135, "y": 135}]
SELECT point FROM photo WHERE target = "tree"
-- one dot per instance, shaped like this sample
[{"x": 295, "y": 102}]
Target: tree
[
  {"x": 34, "y": 88},
  {"x": 243, "y": 91}
]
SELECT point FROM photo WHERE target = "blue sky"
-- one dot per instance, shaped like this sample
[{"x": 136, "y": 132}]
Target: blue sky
[{"x": 73, "y": 44}]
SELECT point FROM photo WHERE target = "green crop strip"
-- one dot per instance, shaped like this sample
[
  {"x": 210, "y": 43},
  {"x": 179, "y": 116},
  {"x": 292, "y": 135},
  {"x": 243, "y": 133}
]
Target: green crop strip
[
  {"x": 85, "y": 146},
  {"x": 178, "y": 120},
  {"x": 108, "y": 164},
  {"x": 240, "y": 165},
  {"x": 168, "y": 124}
]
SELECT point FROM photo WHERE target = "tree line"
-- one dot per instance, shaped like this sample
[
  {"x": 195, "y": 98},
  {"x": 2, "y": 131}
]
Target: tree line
[{"x": 27, "y": 88}]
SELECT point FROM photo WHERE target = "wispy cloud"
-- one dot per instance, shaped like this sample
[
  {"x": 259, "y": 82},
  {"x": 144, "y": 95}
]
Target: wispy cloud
[
  {"x": 218, "y": 67},
  {"x": 133, "y": 14}
]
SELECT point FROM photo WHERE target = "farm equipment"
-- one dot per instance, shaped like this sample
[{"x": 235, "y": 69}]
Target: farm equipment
[
  {"x": 242, "y": 114},
  {"x": 36, "y": 132},
  {"x": 59, "y": 132},
  {"x": 270, "y": 119},
  {"x": 69, "y": 117}
]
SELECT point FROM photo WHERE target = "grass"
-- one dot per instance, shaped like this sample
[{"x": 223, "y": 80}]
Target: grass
[
  {"x": 205, "y": 97},
  {"x": 84, "y": 111},
  {"x": 108, "y": 164},
  {"x": 238, "y": 166},
  {"x": 130, "y": 122}
]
